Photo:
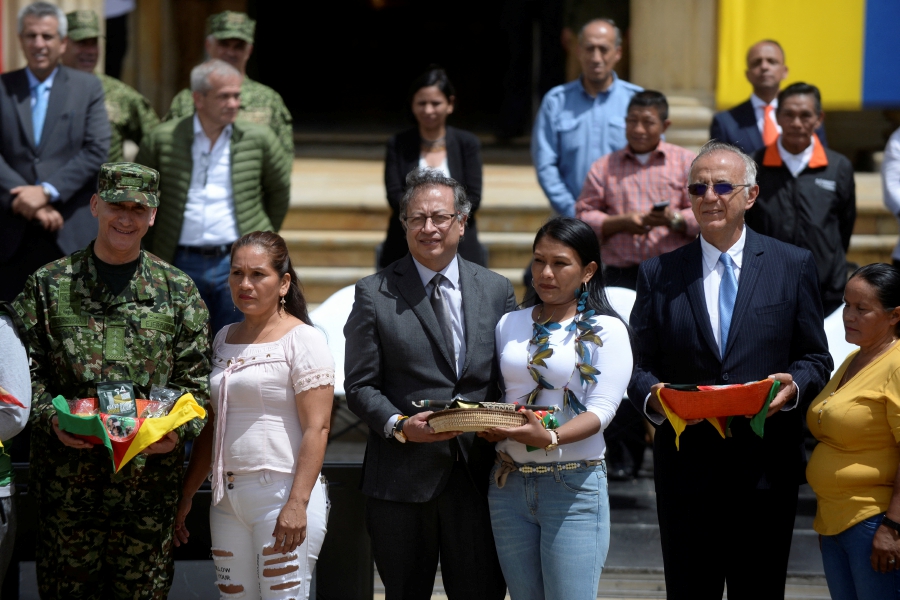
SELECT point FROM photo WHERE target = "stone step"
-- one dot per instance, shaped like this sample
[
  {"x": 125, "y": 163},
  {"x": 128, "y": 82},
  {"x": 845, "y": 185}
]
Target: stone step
[
  {"x": 319, "y": 283},
  {"x": 354, "y": 248},
  {"x": 634, "y": 584}
]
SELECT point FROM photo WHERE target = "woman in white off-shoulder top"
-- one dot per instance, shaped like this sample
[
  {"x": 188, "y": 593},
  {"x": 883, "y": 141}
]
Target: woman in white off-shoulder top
[{"x": 272, "y": 386}]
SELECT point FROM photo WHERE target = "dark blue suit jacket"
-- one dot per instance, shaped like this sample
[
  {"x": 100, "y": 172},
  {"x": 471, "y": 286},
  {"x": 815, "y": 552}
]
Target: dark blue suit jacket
[
  {"x": 777, "y": 327},
  {"x": 738, "y": 127}
]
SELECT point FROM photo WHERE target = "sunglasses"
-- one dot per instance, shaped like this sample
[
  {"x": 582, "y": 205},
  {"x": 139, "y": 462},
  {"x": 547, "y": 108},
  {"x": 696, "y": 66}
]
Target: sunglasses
[{"x": 719, "y": 189}]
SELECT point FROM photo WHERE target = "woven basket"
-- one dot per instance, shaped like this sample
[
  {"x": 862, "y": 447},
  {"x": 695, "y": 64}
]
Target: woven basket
[
  {"x": 474, "y": 419},
  {"x": 730, "y": 402}
]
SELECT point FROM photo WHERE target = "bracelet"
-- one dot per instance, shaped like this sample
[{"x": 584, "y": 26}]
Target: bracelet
[{"x": 890, "y": 523}]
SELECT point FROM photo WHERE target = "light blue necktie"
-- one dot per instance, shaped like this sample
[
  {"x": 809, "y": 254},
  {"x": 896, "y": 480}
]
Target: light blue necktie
[
  {"x": 727, "y": 294},
  {"x": 39, "y": 110}
]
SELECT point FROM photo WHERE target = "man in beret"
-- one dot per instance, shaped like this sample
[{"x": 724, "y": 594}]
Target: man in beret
[
  {"x": 229, "y": 37},
  {"x": 130, "y": 115},
  {"x": 110, "y": 312}
]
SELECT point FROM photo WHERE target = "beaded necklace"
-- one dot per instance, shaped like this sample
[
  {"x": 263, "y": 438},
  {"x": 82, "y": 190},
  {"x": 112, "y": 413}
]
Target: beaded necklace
[{"x": 586, "y": 329}]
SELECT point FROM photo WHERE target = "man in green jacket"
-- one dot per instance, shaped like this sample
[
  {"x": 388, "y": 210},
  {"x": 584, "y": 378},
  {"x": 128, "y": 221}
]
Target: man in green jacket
[{"x": 219, "y": 181}]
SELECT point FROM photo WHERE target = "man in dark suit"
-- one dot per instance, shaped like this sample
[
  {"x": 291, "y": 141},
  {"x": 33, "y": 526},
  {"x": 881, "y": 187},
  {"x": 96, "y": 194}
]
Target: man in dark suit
[
  {"x": 423, "y": 328},
  {"x": 55, "y": 137},
  {"x": 751, "y": 125},
  {"x": 731, "y": 307}
]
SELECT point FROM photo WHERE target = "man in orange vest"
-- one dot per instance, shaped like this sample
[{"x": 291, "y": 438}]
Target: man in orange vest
[{"x": 807, "y": 194}]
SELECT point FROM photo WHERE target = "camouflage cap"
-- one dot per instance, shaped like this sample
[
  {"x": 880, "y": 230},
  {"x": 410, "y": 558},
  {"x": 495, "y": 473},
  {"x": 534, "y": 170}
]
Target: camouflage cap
[
  {"x": 83, "y": 25},
  {"x": 231, "y": 25},
  {"x": 128, "y": 182}
]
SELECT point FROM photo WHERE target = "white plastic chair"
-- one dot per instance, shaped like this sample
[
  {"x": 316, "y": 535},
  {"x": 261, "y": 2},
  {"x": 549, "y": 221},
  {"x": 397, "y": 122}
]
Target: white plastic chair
[{"x": 330, "y": 317}]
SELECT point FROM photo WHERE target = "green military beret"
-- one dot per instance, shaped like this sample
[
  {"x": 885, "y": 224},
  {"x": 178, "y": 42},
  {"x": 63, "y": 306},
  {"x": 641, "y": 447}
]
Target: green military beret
[
  {"x": 83, "y": 25},
  {"x": 128, "y": 182},
  {"x": 231, "y": 25}
]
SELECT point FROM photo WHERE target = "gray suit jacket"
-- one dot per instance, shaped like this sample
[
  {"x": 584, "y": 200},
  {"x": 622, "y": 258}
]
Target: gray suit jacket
[
  {"x": 74, "y": 143},
  {"x": 396, "y": 354}
]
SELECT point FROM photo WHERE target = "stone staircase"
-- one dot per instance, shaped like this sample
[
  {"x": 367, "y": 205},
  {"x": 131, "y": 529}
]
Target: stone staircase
[
  {"x": 639, "y": 584},
  {"x": 338, "y": 216}
]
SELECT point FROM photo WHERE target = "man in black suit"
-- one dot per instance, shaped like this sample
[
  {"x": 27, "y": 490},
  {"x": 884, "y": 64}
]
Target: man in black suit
[
  {"x": 55, "y": 137},
  {"x": 423, "y": 328},
  {"x": 731, "y": 307},
  {"x": 751, "y": 125}
]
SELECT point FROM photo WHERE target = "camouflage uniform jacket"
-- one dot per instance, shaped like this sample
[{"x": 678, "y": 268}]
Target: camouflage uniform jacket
[
  {"x": 154, "y": 332},
  {"x": 130, "y": 115},
  {"x": 260, "y": 104}
]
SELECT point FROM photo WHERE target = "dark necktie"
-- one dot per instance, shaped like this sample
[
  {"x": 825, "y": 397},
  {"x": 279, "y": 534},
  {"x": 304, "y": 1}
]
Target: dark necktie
[{"x": 442, "y": 311}]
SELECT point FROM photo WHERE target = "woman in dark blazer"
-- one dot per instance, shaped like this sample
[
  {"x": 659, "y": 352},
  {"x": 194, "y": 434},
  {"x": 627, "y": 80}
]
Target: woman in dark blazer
[{"x": 432, "y": 143}]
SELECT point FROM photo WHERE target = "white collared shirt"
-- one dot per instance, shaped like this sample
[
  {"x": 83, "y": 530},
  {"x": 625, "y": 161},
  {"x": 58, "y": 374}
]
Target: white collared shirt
[
  {"x": 759, "y": 109},
  {"x": 796, "y": 162},
  {"x": 453, "y": 293},
  {"x": 209, "y": 216}
]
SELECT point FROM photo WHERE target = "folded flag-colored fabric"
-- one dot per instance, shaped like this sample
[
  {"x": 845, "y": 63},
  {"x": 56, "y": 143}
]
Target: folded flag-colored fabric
[
  {"x": 8, "y": 398},
  {"x": 718, "y": 404},
  {"x": 124, "y": 437}
]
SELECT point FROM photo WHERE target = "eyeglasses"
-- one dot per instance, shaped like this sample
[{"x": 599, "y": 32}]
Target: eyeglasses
[
  {"x": 719, "y": 189},
  {"x": 441, "y": 221}
]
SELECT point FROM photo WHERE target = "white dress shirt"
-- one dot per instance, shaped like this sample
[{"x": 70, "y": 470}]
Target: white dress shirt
[
  {"x": 209, "y": 216},
  {"x": 796, "y": 162},
  {"x": 713, "y": 271},
  {"x": 453, "y": 294},
  {"x": 759, "y": 109}
]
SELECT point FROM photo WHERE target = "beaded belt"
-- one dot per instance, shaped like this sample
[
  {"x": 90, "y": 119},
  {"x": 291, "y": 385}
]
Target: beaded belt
[
  {"x": 569, "y": 466},
  {"x": 507, "y": 466}
]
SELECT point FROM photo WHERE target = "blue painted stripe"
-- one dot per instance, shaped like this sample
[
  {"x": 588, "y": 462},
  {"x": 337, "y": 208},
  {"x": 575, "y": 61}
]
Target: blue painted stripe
[{"x": 881, "y": 54}]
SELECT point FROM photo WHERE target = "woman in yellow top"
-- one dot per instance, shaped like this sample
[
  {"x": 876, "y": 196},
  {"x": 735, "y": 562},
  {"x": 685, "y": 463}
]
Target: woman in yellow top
[{"x": 854, "y": 468}]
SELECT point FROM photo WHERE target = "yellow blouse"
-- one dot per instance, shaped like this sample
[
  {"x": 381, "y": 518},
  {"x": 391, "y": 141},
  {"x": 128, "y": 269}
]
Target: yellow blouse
[{"x": 853, "y": 466}]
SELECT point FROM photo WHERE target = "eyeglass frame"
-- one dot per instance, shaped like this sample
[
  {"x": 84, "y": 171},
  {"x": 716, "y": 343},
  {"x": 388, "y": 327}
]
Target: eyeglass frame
[
  {"x": 405, "y": 219},
  {"x": 734, "y": 188}
]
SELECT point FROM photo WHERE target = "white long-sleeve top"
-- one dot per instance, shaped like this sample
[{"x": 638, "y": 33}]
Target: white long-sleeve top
[
  {"x": 613, "y": 360},
  {"x": 890, "y": 180}
]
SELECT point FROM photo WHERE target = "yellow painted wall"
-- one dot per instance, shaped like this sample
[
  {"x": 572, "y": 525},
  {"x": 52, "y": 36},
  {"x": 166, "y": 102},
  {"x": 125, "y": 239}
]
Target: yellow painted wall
[{"x": 822, "y": 40}]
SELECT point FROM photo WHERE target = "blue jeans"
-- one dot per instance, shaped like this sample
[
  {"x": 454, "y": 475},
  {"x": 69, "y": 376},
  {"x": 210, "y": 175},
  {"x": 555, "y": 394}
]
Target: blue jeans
[
  {"x": 848, "y": 569},
  {"x": 552, "y": 532},
  {"x": 210, "y": 274}
]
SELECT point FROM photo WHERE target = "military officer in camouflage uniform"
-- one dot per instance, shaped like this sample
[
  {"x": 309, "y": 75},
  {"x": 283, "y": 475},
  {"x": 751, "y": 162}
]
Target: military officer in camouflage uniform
[
  {"x": 229, "y": 37},
  {"x": 110, "y": 312},
  {"x": 130, "y": 115}
]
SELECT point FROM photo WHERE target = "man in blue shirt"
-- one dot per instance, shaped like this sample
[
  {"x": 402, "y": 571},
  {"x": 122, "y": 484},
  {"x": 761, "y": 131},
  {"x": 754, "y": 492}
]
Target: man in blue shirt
[{"x": 582, "y": 120}]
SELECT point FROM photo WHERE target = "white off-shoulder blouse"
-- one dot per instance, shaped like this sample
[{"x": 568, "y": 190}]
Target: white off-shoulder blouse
[{"x": 253, "y": 389}]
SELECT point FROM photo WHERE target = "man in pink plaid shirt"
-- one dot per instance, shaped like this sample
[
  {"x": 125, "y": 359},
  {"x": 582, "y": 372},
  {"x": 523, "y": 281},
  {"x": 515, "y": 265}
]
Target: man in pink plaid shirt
[{"x": 636, "y": 199}]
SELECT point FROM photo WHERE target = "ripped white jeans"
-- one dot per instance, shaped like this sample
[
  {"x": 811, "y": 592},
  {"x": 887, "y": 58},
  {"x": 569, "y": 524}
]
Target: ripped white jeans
[{"x": 242, "y": 525}]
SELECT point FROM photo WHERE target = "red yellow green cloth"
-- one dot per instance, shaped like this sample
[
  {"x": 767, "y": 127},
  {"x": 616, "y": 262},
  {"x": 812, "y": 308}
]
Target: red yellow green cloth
[
  {"x": 139, "y": 434},
  {"x": 718, "y": 404}
]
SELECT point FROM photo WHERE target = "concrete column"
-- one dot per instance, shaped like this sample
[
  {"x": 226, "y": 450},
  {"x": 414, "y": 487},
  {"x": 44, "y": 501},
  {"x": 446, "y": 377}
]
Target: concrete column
[{"x": 674, "y": 46}]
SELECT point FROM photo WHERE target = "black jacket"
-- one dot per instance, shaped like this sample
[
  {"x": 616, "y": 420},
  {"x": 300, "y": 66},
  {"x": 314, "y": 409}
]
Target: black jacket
[
  {"x": 464, "y": 162},
  {"x": 816, "y": 210}
]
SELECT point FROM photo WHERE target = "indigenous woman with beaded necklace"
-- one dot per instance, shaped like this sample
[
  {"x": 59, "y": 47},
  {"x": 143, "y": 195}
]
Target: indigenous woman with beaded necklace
[{"x": 548, "y": 495}]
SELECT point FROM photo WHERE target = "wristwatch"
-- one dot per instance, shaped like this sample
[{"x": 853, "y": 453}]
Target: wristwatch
[
  {"x": 890, "y": 523},
  {"x": 397, "y": 430},
  {"x": 47, "y": 192},
  {"x": 554, "y": 441}
]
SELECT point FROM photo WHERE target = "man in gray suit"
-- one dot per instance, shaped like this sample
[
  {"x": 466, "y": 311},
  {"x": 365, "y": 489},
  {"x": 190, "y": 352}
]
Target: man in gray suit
[
  {"x": 55, "y": 136},
  {"x": 423, "y": 328}
]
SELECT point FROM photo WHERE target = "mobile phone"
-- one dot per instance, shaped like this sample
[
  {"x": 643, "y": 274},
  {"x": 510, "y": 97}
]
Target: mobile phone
[{"x": 661, "y": 205}]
